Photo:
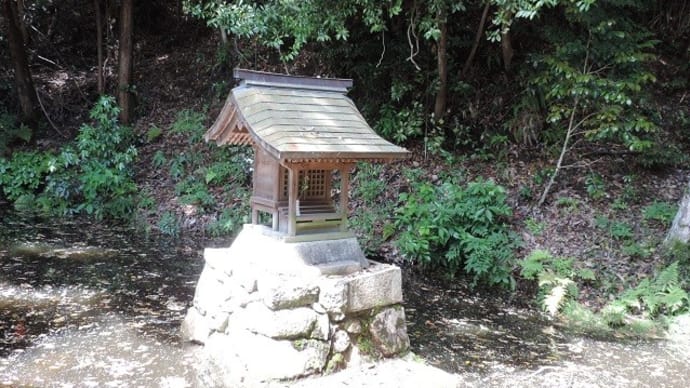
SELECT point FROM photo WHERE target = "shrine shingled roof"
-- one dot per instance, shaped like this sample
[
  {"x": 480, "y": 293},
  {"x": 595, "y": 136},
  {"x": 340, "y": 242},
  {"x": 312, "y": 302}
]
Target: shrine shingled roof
[{"x": 297, "y": 119}]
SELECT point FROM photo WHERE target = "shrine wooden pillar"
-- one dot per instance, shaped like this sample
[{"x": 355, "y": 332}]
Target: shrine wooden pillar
[
  {"x": 293, "y": 177},
  {"x": 344, "y": 197}
]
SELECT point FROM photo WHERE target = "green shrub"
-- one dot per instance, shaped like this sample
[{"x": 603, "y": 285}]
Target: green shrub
[
  {"x": 662, "y": 154},
  {"x": 168, "y": 224},
  {"x": 23, "y": 174},
  {"x": 595, "y": 186},
  {"x": 195, "y": 193},
  {"x": 680, "y": 252},
  {"x": 158, "y": 159},
  {"x": 454, "y": 227},
  {"x": 535, "y": 227},
  {"x": 153, "y": 133},
  {"x": 660, "y": 212},
  {"x": 99, "y": 170},
  {"x": 367, "y": 184},
  {"x": 618, "y": 230},
  {"x": 10, "y": 131},
  {"x": 372, "y": 221},
  {"x": 637, "y": 250},
  {"x": 401, "y": 124},
  {"x": 93, "y": 175},
  {"x": 228, "y": 164},
  {"x": 232, "y": 218},
  {"x": 190, "y": 123}
]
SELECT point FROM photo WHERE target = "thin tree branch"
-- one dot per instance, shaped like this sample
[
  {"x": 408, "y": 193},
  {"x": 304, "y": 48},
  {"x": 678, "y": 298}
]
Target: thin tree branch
[
  {"x": 45, "y": 113},
  {"x": 582, "y": 121},
  {"x": 564, "y": 150},
  {"x": 411, "y": 33},
  {"x": 383, "y": 52},
  {"x": 477, "y": 39}
]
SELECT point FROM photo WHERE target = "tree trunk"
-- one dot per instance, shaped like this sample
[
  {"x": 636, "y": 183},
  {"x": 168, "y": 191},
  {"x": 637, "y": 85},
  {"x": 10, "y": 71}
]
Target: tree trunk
[
  {"x": 680, "y": 229},
  {"x": 442, "y": 58},
  {"x": 21, "y": 22},
  {"x": 477, "y": 39},
  {"x": 124, "y": 75},
  {"x": 22, "y": 75},
  {"x": 99, "y": 46},
  {"x": 506, "y": 50}
]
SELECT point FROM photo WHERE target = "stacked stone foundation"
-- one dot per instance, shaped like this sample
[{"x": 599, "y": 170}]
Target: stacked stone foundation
[{"x": 261, "y": 319}]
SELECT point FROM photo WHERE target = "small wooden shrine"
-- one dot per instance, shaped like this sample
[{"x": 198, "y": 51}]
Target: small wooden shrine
[{"x": 307, "y": 136}]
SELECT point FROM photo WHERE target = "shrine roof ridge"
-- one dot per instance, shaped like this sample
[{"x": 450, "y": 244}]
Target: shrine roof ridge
[{"x": 262, "y": 78}]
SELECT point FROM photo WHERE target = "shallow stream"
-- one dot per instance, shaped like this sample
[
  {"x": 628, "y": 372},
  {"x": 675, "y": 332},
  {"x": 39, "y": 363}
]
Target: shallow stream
[{"x": 86, "y": 305}]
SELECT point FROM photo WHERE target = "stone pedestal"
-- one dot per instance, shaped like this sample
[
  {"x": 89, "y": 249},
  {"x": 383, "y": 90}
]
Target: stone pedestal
[{"x": 269, "y": 310}]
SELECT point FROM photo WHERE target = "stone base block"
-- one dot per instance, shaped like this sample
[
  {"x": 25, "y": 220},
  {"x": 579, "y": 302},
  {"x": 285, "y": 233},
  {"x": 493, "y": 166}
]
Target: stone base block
[
  {"x": 267, "y": 311},
  {"x": 260, "y": 246}
]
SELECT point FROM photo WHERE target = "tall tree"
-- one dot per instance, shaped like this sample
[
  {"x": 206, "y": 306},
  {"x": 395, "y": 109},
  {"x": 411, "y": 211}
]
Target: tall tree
[
  {"x": 21, "y": 17},
  {"x": 125, "y": 63},
  {"x": 477, "y": 39},
  {"x": 22, "y": 75},
  {"x": 99, "y": 46},
  {"x": 442, "y": 63},
  {"x": 433, "y": 25}
]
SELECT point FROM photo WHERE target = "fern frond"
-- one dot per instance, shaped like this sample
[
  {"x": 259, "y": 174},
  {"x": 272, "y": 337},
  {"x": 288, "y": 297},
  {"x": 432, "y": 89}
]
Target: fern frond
[
  {"x": 675, "y": 299},
  {"x": 557, "y": 296},
  {"x": 539, "y": 255},
  {"x": 667, "y": 278},
  {"x": 547, "y": 278},
  {"x": 531, "y": 267},
  {"x": 552, "y": 302}
]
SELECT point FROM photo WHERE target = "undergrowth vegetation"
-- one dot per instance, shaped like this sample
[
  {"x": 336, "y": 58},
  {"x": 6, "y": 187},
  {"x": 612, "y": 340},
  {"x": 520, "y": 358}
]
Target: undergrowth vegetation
[
  {"x": 201, "y": 175},
  {"x": 210, "y": 182},
  {"x": 92, "y": 175},
  {"x": 639, "y": 310},
  {"x": 372, "y": 219},
  {"x": 459, "y": 227},
  {"x": 10, "y": 131}
]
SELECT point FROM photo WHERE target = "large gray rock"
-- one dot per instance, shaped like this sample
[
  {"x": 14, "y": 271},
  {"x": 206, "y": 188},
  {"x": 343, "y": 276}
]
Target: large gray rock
[
  {"x": 282, "y": 292},
  {"x": 195, "y": 327},
  {"x": 322, "y": 328},
  {"x": 352, "y": 326},
  {"x": 680, "y": 229},
  {"x": 211, "y": 290},
  {"x": 333, "y": 294},
  {"x": 245, "y": 359},
  {"x": 219, "y": 365},
  {"x": 246, "y": 276},
  {"x": 379, "y": 286},
  {"x": 219, "y": 260},
  {"x": 341, "y": 341},
  {"x": 268, "y": 310},
  {"x": 280, "y": 324},
  {"x": 389, "y": 331}
]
